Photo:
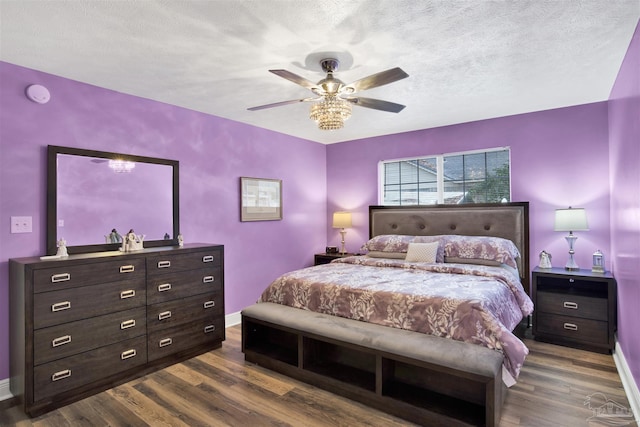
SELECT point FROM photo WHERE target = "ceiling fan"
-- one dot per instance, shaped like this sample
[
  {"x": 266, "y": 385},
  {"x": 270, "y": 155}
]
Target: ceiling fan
[{"x": 332, "y": 105}]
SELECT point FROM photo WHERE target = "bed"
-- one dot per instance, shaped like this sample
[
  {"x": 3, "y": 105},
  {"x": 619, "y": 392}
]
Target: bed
[{"x": 421, "y": 327}]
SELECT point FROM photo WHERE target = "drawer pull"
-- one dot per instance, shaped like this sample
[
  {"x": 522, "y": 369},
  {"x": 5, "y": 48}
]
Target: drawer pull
[
  {"x": 571, "y": 305},
  {"x": 128, "y": 354},
  {"x": 165, "y": 342},
  {"x": 571, "y": 326},
  {"x": 62, "y": 277},
  {"x": 164, "y": 287},
  {"x": 209, "y": 304},
  {"x": 61, "y": 375},
  {"x": 61, "y": 341},
  {"x": 59, "y": 306},
  {"x": 126, "y": 324},
  {"x": 164, "y": 315},
  {"x": 571, "y": 280},
  {"x": 164, "y": 264},
  {"x": 127, "y": 268},
  {"x": 207, "y": 258},
  {"x": 128, "y": 294},
  {"x": 209, "y": 328},
  {"x": 208, "y": 279}
]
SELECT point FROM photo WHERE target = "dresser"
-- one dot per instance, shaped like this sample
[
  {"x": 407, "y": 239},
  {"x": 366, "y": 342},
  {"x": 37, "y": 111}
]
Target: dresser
[
  {"x": 574, "y": 308},
  {"x": 82, "y": 324}
]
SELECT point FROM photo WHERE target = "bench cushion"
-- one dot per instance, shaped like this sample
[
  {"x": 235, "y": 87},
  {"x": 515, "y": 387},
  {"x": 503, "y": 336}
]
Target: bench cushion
[{"x": 413, "y": 345}]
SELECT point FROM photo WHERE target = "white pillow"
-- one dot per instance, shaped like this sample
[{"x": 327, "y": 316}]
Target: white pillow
[{"x": 422, "y": 252}]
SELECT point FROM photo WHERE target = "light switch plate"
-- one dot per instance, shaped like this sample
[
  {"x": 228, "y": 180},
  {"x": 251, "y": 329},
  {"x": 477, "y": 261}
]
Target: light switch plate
[{"x": 21, "y": 224}]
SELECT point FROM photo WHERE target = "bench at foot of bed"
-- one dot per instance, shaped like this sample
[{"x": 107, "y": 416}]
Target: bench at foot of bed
[{"x": 425, "y": 379}]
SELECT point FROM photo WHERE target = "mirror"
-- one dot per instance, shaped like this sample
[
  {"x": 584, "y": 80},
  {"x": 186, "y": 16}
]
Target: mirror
[{"x": 91, "y": 193}]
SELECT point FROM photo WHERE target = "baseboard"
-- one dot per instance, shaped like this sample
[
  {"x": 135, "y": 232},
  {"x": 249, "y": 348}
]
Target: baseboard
[
  {"x": 232, "y": 319},
  {"x": 629, "y": 384},
  {"x": 5, "y": 392}
]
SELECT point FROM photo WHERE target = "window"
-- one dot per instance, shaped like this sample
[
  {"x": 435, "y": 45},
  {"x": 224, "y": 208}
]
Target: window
[{"x": 471, "y": 177}]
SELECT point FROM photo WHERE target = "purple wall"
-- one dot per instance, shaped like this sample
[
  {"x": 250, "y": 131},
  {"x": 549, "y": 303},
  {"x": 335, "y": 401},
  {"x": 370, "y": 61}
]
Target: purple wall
[
  {"x": 624, "y": 161},
  {"x": 213, "y": 154},
  {"x": 558, "y": 159}
]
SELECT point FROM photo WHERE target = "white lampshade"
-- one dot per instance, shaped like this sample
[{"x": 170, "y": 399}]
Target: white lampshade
[
  {"x": 341, "y": 219},
  {"x": 572, "y": 219}
]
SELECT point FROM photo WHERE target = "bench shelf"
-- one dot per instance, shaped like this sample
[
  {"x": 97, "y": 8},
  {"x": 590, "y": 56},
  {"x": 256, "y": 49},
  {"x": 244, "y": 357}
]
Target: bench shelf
[{"x": 421, "y": 391}]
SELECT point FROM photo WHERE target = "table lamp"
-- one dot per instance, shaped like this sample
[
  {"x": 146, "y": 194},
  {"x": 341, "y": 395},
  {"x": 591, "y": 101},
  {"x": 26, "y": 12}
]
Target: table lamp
[
  {"x": 342, "y": 220},
  {"x": 572, "y": 219}
]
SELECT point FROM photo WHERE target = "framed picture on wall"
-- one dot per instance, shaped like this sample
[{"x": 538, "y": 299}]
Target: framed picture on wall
[{"x": 260, "y": 199}]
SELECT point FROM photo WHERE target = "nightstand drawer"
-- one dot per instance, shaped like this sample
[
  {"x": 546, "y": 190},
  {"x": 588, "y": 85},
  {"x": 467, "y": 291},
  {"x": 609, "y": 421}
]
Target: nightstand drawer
[
  {"x": 575, "y": 328},
  {"x": 572, "y": 305},
  {"x": 320, "y": 259}
]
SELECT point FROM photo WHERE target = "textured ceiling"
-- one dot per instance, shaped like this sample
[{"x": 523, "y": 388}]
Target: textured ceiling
[{"x": 467, "y": 60}]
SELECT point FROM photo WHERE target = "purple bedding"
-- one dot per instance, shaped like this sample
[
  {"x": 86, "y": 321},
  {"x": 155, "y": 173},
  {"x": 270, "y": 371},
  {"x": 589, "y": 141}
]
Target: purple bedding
[{"x": 471, "y": 303}]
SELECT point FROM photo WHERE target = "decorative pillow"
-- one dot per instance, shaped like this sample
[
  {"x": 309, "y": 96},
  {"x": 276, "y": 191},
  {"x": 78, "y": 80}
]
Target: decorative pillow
[
  {"x": 388, "y": 243},
  {"x": 393, "y": 255},
  {"x": 433, "y": 239},
  {"x": 487, "y": 248},
  {"x": 422, "y": 252},
  {"x": 400, "y": 243}
]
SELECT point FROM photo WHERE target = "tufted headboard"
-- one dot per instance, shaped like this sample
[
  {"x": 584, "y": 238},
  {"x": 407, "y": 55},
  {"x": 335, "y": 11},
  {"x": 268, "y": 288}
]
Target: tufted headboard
[{"x": 506, "y": 220}]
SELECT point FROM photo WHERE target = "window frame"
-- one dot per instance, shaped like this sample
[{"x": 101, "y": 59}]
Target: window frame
[{"x": 440, "y": 182}]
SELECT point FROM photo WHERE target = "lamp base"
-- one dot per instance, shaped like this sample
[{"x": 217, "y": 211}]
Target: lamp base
[
  {"x": 342, "y": 249},
  {"x": 571, "y": 264}
]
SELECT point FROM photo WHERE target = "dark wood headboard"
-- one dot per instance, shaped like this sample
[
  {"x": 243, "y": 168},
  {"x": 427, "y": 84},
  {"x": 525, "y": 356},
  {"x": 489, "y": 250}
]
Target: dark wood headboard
[{"x": 506, "y": 220}]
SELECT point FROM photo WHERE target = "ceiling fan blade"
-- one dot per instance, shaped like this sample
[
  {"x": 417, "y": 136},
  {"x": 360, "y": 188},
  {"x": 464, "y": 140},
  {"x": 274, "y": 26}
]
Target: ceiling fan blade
[
  {"x": 295, "y": 78},
  {"x": 379, "y": 79},
  {"x": 278, "y": 104},
  {"x": 377, "y": 104}
]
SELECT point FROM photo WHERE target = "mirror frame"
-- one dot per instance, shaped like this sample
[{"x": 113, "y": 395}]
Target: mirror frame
[{"x": 52, "y": 198}]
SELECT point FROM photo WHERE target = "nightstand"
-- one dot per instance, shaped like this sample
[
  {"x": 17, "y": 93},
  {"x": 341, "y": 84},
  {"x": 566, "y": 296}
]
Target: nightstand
[
  {"x": 325, "y": 258},
  {"x": 574, "y": 308}
]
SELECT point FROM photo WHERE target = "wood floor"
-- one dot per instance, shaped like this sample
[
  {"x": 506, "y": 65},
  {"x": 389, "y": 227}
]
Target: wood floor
[{"x": 220, "y": 389}]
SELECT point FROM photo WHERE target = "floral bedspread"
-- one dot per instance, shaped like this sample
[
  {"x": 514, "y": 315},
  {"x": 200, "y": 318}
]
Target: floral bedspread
[{"x": 471, "y": 303}]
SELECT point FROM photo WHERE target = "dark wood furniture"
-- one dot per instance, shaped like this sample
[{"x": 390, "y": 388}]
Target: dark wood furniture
[
  {"x": 575, "y": 308},
  {"x": 419, "y": 380},
  {"x": 82, "y": 324},
  {"x": 325, "y": 258},
  {"x": 429, "y": 391}
]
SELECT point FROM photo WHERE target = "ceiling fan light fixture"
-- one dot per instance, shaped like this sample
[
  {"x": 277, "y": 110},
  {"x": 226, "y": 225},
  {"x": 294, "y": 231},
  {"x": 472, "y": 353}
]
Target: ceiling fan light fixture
[{"x": 330, "y": 113}]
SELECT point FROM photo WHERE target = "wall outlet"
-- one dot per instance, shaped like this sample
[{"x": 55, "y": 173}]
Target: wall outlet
[{"x": 21, "y": 224}]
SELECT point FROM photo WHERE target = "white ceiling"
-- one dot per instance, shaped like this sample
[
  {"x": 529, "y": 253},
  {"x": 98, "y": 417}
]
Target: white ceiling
[{"x": 466, "y": 60}]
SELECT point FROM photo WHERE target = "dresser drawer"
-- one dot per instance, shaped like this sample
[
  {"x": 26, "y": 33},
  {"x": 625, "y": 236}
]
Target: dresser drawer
[
  {"x": 572, "y": 305},
  {"x": 75, "y": 371},
  {"x": 172, "y": 340},
  {"x": 176, "y": 285},
  {"x": 177, "y": 312},
  {"x": 170, "y": 262},
  {"x": 64, "y": 277},
  {"x": 575, "y": 328},
  {"x": 54, "y": 308},
  {"x": 57, "y": 342}
]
